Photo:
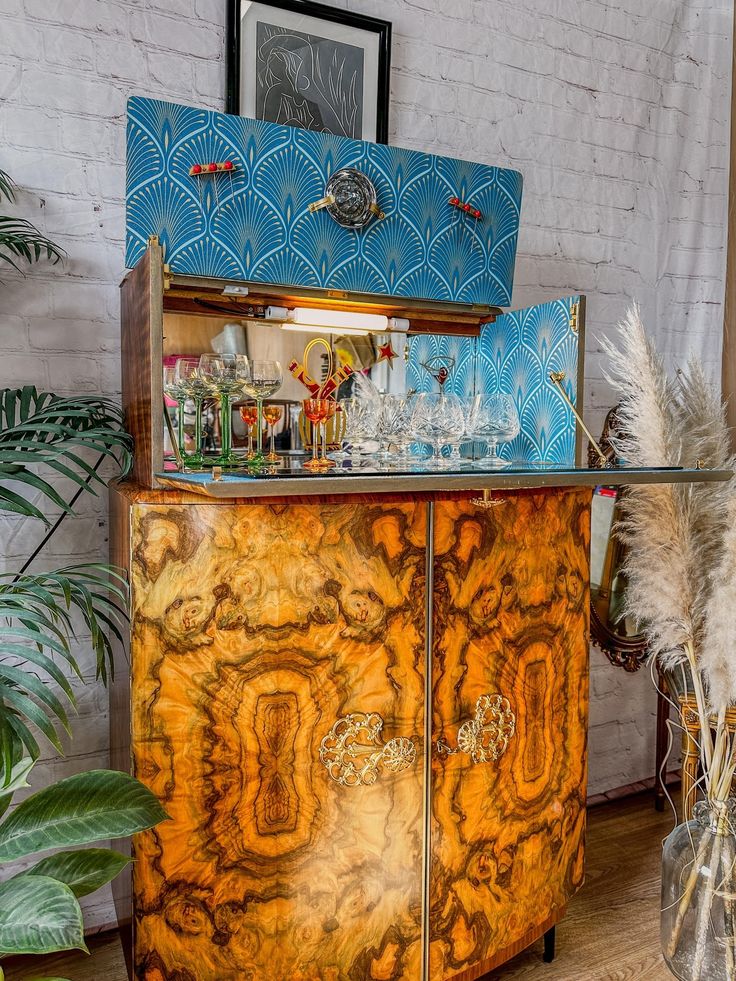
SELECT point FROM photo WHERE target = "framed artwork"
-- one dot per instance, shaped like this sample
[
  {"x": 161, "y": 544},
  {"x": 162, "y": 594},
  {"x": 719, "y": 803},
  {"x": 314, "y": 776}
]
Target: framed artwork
[{"x": 304, "y": 64}]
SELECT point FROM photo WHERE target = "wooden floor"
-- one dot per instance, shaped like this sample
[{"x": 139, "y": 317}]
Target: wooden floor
[{"x": 611, "y": 931}]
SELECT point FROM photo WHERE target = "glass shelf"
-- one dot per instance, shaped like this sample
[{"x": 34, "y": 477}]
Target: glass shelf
[{"x": 289, "y": 478}]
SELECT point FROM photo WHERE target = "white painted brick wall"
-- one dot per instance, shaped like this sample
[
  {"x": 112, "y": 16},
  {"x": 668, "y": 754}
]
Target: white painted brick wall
[{"x": 617, "y": 113}]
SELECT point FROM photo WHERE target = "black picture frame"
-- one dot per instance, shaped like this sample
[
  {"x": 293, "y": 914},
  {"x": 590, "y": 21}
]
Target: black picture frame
[{"x": 319, "y": 10}]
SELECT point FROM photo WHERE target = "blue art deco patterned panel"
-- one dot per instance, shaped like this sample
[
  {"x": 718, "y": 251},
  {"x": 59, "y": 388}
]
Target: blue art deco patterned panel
[
  {"x": 254, "y": 224},
  {"x": 516, "y": 354}
]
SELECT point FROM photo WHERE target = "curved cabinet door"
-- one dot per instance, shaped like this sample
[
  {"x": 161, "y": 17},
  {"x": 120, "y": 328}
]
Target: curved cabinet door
[
  {"x": 278, "y": 684},
  {"x": 510, "y": 706}
]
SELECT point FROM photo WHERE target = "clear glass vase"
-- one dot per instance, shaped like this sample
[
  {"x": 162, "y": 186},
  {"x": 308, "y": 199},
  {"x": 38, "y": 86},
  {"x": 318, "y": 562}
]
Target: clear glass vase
[{"x": 699, "y": 895}]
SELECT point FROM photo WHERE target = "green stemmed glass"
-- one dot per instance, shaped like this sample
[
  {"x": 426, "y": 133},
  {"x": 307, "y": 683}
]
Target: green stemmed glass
[
  {"x": 197, "y": 387},
  {"x": 173, "y": 389},
  {"x": 226, "y": 374}
]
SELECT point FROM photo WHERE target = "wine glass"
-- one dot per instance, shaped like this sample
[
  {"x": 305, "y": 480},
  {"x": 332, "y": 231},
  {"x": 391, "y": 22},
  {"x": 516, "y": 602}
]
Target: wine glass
[
  {"x": 272, "y": 414},
  {"x": 493, "y": 419},
  {"x": 394, "y": 423},
  {"x": 437, "y": 420},
  {"x": 226, "y": 374},
  {"x": 197, "y": 387},
  {"x": 262, "y": 379},
  {"x": 361, "y": 422},
  {"x": 249, "y": 415},
  {"x": 174, "y": 390},
  {"x": 316, "y": 411}
]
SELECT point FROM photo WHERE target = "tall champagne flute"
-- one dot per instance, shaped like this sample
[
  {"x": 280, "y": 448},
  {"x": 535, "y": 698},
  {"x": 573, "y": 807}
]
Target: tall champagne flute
[
  {"x": 197, "y": 387},
  {"x": 173, "y": 389},
  {"x": 262, "y": 380},
  {"x": 272, "y": 414},
  {"x": 226, "y": 373}
]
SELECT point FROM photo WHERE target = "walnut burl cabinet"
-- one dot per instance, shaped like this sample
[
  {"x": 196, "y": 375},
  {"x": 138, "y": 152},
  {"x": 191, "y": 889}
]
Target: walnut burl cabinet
[{"x": 367, "y": 721}]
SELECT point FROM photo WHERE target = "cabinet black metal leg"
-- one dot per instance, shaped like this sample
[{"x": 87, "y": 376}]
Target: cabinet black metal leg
[{"x": 549, "y": 946}]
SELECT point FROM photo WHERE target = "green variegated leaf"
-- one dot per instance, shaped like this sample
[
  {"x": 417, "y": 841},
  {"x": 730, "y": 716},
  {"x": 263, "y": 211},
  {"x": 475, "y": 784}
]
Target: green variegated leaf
[
  {"x": 88, "y": 807},
  {"x": 17, "y": 780},
  {"x": 84, "y": 870},
  {"x": 39, "y": 915}
]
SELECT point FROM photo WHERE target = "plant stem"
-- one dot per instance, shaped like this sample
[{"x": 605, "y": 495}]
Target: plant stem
[{"x": 706, "y": 902}]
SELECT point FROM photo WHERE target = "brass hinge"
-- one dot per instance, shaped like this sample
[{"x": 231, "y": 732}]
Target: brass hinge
[
  {"x": 574, "y": 316},
  {"x": 167, "y": 276}
]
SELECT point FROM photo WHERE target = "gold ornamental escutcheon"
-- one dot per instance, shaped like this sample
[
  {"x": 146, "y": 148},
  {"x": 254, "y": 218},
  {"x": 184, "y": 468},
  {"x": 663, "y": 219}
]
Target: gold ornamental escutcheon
[
  {"x": 353, "y": 754},
  {"x": 486, "y": 736}
]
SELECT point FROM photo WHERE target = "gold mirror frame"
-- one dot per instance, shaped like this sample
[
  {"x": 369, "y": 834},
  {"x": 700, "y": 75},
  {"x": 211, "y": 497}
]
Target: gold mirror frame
[{"x": 627, "y": 652}]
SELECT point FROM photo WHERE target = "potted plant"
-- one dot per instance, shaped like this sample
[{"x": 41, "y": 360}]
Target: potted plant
[
  {"x": 681, "y": 573},
  {"x": 44, "y": 438}
]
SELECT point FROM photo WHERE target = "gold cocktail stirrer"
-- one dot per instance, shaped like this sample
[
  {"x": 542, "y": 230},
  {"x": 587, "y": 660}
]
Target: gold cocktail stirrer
[{"x": 557, "y": 378}]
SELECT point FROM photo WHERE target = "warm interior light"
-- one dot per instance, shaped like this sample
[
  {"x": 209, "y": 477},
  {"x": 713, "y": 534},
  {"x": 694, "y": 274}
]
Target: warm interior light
[
  {"x": 374, "y": 323},
  {"x": 317, "y": 329}
]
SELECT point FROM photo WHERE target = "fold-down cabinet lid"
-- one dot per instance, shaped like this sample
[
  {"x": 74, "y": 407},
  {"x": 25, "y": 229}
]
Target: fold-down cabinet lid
[{"x": 250, "y": 220}]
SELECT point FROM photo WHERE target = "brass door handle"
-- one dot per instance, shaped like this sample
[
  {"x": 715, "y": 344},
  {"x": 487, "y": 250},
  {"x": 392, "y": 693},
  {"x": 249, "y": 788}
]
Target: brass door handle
[
  {"x": 486, "y": 736},
  {"x": 353, "y": 754},
  {"x": 486, "y": 501}
]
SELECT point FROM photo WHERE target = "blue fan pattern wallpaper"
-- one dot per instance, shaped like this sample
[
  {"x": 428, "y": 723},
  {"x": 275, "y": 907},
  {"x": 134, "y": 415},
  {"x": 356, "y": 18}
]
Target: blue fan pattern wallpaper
[
  {"x": 515, "y": 354},
  {"x": 253, "y": 223}
]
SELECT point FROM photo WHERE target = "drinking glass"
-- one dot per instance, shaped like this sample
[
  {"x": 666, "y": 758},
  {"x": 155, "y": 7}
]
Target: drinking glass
[
  {"x": 331, "y": 413},
  {"x": 226, "y": 374},
  {"x": 173, "y": 389},
  {"x": 249, "y": 415},
  {"x": 361, "y": 422},
  {"x": 493, "y": 419},
  {"x": 316, "y": 411},
  {"x": 262, "y": 379},
  {"x": 272, "y": 414},
  {"x": 394, "y": 423},
  {"x": 191, "y": 380},
  {"x": 437, "y": 420}
]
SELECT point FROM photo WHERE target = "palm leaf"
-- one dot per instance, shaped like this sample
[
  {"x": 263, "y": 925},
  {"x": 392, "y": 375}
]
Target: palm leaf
[
  {"x": 37, "y": 611},
  {"x": 7, "y": 187},
  {"x": 21, "y": 240},
  {"x": 42, "y": 428}
]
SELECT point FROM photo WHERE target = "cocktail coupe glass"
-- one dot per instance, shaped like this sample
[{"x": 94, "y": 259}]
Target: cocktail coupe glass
[
  {"x": 249, "y": 415},
  {"x": 493, "y": 419},
  {"x": 272, "y": 414},
  {"x": 173, "y": 389},
  {"x": 263, "y": 379},
  {"x": 316, "y": 411},
  {"x": 394, "y": 425},
  {"x": 226, "y": 374},
  {"x": 437, "y": 420},
  {"x": 197, "y": 387}
]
